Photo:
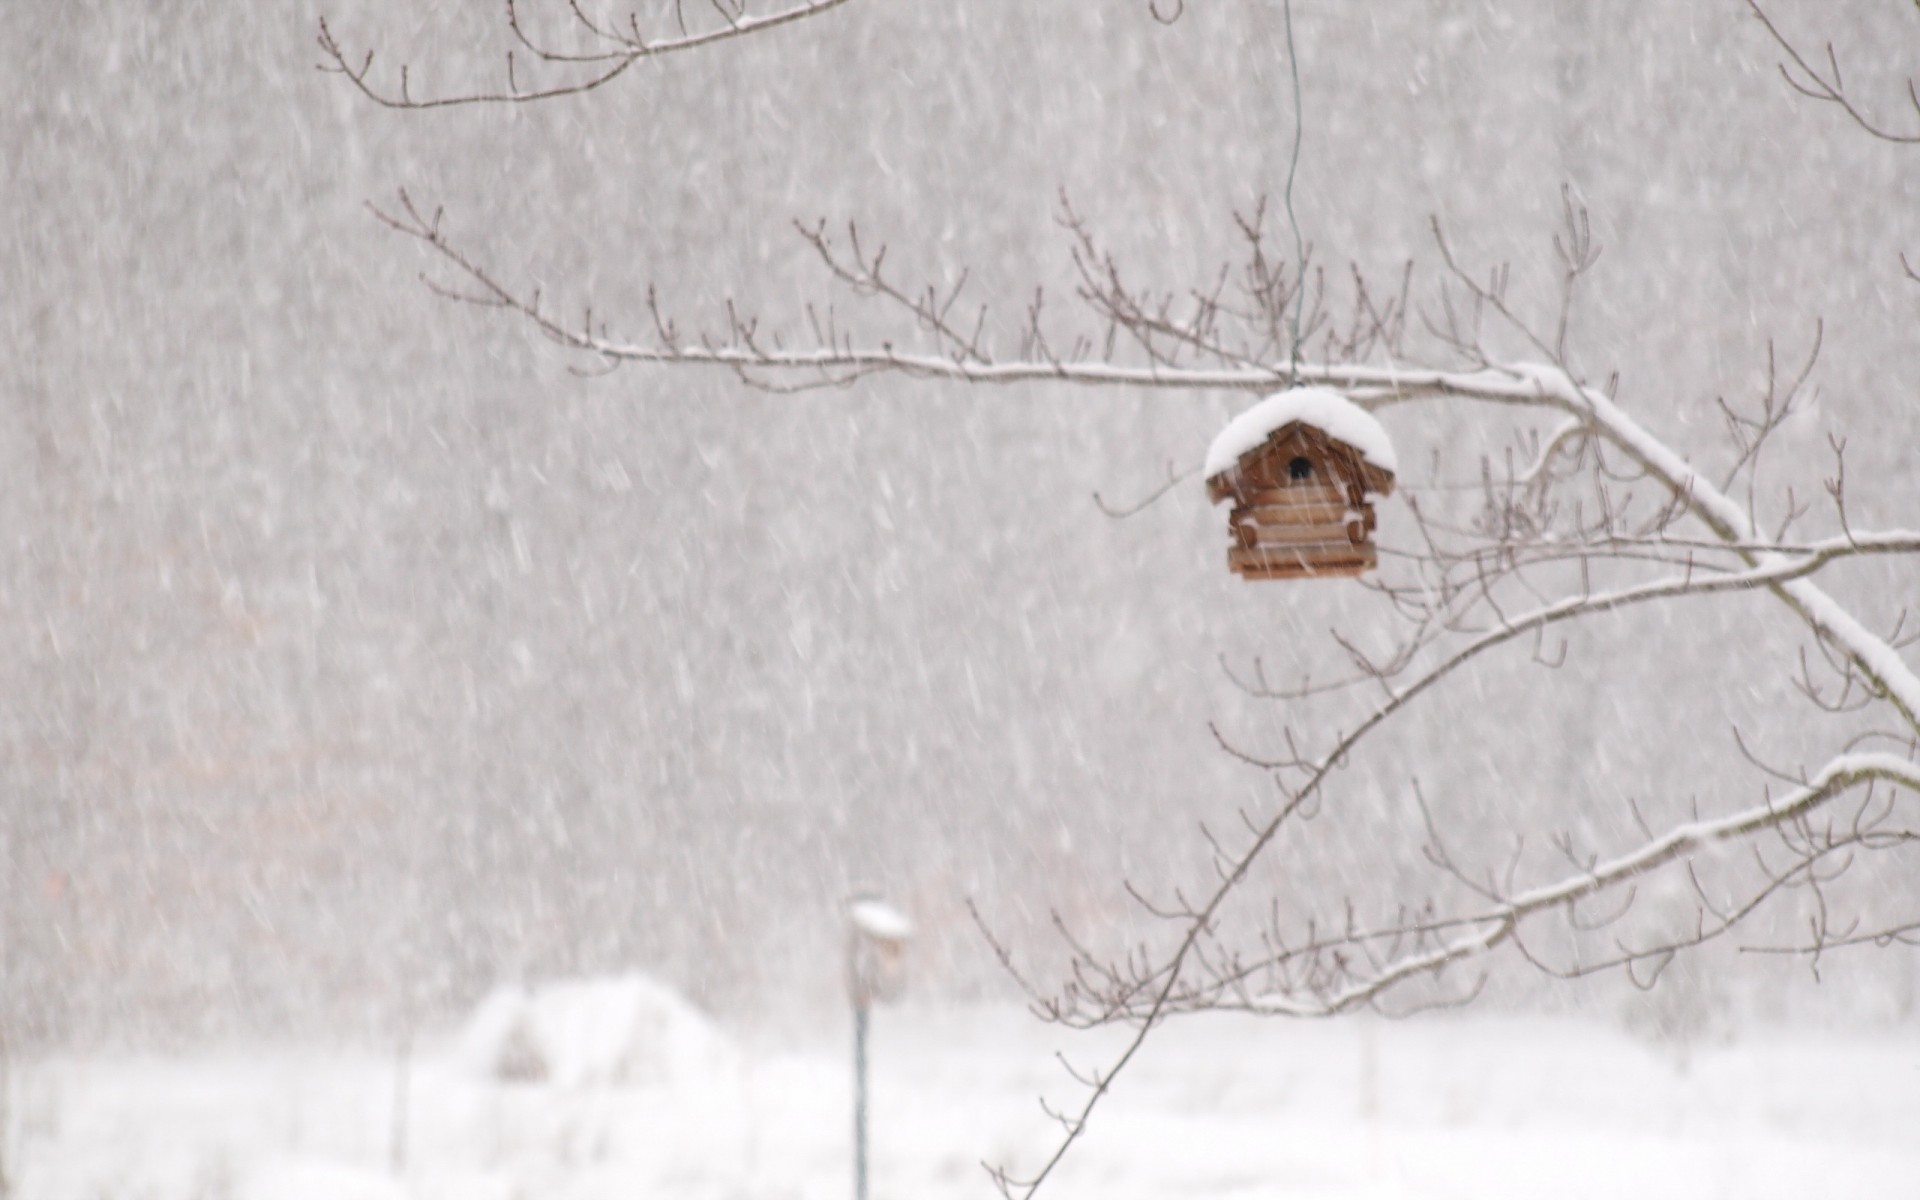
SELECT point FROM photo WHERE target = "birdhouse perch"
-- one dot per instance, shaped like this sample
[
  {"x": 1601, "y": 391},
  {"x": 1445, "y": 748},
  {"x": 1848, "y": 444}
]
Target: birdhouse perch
[{"x": 1303, "y": 468}]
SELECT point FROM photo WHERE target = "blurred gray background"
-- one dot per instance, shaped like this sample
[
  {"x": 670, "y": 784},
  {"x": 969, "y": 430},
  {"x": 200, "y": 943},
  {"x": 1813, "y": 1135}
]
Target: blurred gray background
[{"x": 356, "y": 653}]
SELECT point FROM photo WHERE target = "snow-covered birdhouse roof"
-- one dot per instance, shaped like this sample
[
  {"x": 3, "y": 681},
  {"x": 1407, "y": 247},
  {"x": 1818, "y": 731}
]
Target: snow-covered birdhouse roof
[{"x": 1318, "y": 409}]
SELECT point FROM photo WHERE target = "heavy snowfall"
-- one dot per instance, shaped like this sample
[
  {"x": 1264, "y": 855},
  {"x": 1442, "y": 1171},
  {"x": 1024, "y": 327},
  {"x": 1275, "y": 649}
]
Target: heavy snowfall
[{"x": 511, "y": 595}]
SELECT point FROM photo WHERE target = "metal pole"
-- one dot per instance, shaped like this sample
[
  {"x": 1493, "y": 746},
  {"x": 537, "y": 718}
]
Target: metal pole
[
  {"x": 402, "y": 1087},
  {"x": 859, "y": 1100}
]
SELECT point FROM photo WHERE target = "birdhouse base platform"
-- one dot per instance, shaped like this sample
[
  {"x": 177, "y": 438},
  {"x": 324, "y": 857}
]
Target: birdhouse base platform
[{"x": 1340, "y": 560}]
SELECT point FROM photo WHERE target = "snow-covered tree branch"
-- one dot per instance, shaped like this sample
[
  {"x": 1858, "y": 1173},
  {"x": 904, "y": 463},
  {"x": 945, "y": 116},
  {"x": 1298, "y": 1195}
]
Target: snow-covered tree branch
[
  {"x": 1602, "y": 506},
  {"x": 1598, "y": 515}
]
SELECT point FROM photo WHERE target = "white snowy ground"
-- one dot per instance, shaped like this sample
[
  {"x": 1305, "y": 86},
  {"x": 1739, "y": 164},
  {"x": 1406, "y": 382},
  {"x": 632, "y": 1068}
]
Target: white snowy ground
[{"x": 1222, "y": 1108}]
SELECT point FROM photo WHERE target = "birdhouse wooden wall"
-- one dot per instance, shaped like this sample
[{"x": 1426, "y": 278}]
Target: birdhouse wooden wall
[
  {"x": 877, "y": 968},
  {"x": 1301, "y": 506}
]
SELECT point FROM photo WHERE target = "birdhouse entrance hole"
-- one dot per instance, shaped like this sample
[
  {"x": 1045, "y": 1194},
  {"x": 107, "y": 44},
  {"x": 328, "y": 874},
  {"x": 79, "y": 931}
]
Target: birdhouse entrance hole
[{"x": 1300, "y": 468}]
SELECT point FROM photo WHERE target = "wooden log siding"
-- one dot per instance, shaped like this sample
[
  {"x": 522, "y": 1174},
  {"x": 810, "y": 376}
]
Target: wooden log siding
[
  {"x": 1250, "y": 533},
  {"x": 1311, "y": 501},
  {"x": 1316, "y": 513}
]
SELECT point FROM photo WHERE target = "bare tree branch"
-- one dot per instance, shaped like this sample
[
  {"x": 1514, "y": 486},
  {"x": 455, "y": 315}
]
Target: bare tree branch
[
  {"x": 618, "y": 48},
  {"x": 1825, "y": 84}
]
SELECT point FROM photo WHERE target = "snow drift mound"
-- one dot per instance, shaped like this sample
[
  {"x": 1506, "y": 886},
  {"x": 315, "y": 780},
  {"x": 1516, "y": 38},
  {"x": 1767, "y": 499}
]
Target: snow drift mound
[{"x": 625, "y": 1030}]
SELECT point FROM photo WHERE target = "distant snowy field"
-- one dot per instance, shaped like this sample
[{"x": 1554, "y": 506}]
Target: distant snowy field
[{"x": 1220, "y": 1108}]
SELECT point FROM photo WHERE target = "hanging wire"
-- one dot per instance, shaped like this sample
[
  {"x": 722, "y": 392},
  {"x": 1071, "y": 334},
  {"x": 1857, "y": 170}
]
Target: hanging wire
[{"x": 1293, "y": 221}]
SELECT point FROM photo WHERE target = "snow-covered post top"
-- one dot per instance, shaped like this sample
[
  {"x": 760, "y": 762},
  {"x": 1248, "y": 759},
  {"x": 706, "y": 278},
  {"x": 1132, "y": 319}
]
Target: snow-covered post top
[
  {"x": 1322, "y": 408},
  {"x": 877, "y": 919},
  {"x": 876, "y": 957}
]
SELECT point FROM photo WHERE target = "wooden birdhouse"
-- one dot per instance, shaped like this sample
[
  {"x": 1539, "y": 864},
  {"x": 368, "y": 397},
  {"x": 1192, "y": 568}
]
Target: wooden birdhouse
[{"x": 1303, "y": 468}]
